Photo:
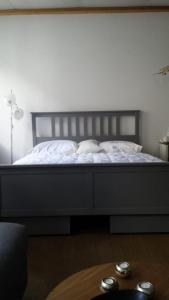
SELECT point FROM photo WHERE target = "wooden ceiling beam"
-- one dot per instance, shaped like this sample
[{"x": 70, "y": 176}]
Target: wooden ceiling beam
[{"x": 84, "y": 10}]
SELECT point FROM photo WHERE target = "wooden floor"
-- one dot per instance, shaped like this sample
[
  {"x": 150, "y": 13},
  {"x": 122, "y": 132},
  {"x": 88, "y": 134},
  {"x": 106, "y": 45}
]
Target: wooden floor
[{"x": 52, "y": 259}]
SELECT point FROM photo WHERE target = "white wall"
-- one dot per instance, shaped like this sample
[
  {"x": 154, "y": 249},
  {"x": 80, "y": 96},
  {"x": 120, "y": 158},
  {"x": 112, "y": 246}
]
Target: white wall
[{"x": 84, "y": 62}]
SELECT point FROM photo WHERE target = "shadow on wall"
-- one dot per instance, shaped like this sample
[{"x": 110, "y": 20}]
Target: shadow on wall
[{"x": 4, "y": 155}]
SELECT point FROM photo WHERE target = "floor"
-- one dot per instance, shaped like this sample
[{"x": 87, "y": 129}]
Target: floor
[{"x": 53, "y": 258}]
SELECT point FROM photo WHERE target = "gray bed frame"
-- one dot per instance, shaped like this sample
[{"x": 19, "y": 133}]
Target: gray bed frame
[{"x": 135, "y": 196}]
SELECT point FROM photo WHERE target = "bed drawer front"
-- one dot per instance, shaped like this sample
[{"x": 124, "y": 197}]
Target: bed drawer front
[
  {"x": 123, "y": 192},
  {"x": 46, "y": 192}
]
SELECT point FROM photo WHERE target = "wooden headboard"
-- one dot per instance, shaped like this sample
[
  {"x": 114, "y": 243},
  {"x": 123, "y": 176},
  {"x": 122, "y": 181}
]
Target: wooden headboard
[{"x": 78, "y": 126}]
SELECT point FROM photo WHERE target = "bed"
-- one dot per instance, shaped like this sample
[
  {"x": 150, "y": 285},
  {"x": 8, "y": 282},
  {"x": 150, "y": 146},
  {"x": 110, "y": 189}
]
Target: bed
[{"x": 134, "y": 195}]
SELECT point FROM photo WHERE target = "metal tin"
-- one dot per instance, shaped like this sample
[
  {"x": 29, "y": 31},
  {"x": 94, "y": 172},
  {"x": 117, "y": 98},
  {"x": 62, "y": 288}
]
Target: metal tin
[
  {"x": 145, "y": 287},
  {"x": 109, "y": 284},
  {"x": 123, "y": 269}
]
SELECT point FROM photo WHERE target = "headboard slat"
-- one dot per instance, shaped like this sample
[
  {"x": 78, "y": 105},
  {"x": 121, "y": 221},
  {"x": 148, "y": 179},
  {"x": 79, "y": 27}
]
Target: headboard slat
[
  {"x": 69, "y": 126},
  {"x": 117, "y": 125},
  {"x": 110, "y": 124},
  {"x": 85, "y": 125},
  {"x": 94, "y": 126},
  {"x": 61, "y": 125},
  {"x": 77, "y": 127},
  {"x": 101, "y": 126},
  {"x": 53, "y": 126}
]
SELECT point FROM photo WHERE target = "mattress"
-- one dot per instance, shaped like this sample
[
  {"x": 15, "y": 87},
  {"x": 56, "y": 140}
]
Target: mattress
[{"x": 90, "y": 158}]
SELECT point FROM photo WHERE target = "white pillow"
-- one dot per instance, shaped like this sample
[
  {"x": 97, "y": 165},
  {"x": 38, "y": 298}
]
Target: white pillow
[
  {"x": 56, "y": 147},
  {"x": 88, "y": 146},
  {"x": 120, "y": 146}
]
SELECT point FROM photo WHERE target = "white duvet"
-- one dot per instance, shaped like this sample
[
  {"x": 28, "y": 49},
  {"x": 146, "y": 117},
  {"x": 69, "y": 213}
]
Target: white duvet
[{"x": 75, "y": 158}]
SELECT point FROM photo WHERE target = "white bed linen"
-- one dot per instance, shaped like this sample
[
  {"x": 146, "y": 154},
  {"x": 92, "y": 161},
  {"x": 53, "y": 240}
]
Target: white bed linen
[
  {"x": 75, "y": 158},
  {"x": 56, "y": 146}
]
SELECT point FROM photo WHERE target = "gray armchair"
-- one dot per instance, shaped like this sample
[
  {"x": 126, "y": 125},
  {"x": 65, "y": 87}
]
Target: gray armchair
[{"x": 13, "y": 261}]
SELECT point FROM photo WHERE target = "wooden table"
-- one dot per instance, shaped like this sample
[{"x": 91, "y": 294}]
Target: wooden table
[{"x": 86, "y": 284}]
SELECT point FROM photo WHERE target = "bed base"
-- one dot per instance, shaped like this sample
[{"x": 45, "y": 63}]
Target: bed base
[
  {"x": 117, "y": 224},
  {"x": 139, "y": 224},
  {"x": 43, "y": 225},
  {"x": 134, "y": 196}
]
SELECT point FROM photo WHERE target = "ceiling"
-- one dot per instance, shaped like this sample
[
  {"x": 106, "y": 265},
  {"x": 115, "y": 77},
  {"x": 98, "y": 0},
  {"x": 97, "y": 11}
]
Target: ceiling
[{"x": 23, "y": 4}]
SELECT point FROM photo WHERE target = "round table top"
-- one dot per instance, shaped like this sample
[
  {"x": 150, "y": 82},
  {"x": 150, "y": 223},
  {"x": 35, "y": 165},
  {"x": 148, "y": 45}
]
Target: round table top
[{"x": 85, "y": 284}]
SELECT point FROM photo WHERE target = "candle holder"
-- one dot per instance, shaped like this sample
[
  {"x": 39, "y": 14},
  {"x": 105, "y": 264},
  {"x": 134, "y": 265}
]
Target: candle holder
[
  {"x": 109, "y": 284},
  {"x": 146, "y": 288},
  {"x": 123, "y": 269}
]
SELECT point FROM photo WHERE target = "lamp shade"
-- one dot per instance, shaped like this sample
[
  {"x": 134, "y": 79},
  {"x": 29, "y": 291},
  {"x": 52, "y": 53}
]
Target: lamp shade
[
  {"x": 18, "y": 113},
  {"x": 10, "y": 100}
]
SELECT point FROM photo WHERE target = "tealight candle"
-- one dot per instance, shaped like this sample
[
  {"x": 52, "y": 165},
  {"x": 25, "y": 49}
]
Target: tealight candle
[
  {"x": 123, "y": 269},
  {"x": 145, "y": 287},
  {"x": 109, "y": 284}
]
